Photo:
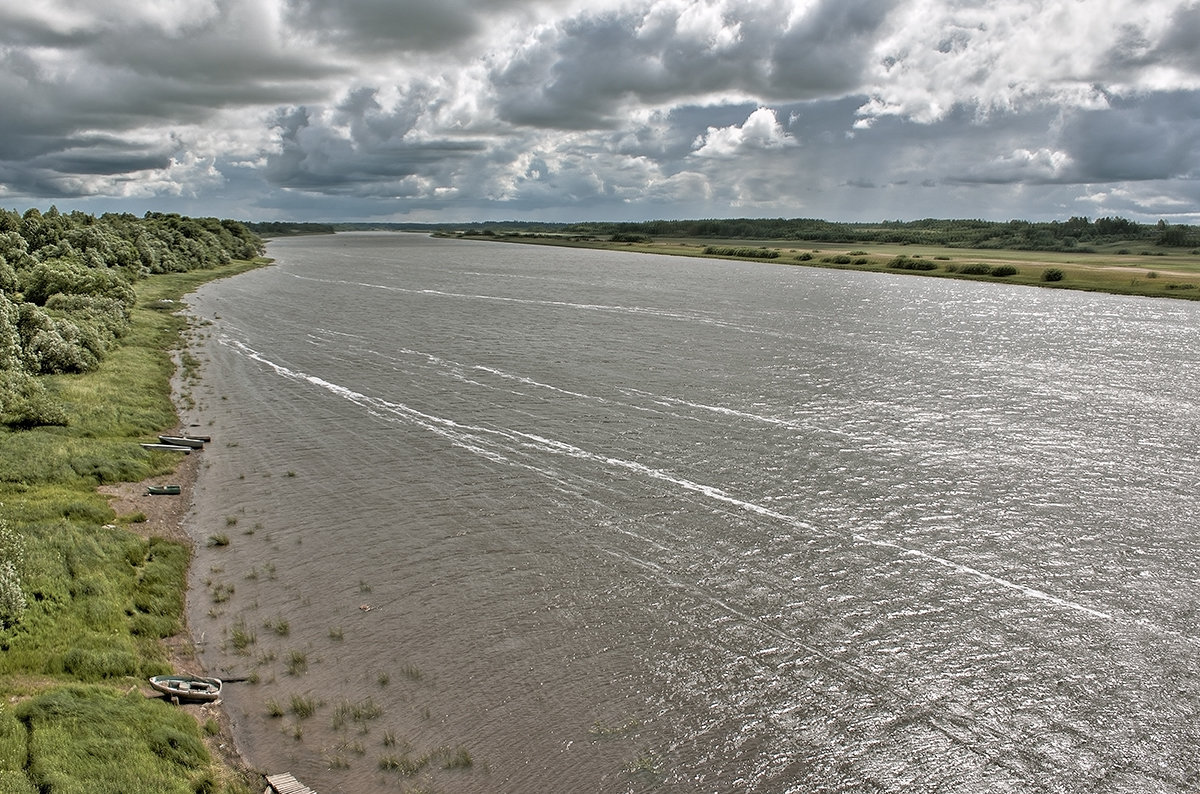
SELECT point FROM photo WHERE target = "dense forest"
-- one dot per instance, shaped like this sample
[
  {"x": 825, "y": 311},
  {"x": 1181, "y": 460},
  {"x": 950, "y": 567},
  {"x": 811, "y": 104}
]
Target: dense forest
[
  {"x": 66, "y": 289},
  {"x": 1075, "y": 234}
]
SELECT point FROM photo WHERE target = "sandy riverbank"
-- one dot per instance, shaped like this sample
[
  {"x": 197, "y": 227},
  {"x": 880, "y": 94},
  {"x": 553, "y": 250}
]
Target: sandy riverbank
[{"x": 165, "y": 518}]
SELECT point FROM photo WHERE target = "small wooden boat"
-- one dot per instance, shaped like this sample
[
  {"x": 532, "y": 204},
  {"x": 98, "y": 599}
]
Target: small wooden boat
[
  {"x": 163, "y": 490},
  {"x": 168, "y": 448},
  {"x": 187, "y": 687},
  {"x": 183, "y": 441},
  {"x": 205, "y": 439}
]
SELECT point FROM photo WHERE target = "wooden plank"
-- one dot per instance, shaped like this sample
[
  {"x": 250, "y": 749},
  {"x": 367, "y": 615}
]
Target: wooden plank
[{"x": 284, "y": 783}]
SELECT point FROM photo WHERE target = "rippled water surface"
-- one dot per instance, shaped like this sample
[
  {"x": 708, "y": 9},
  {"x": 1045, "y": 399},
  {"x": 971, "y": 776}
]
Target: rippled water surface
[{"x": 636, "y": 523}]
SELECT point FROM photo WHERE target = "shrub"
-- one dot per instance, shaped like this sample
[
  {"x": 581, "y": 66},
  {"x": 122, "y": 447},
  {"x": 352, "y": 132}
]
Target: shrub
[
  {"x": 1004, "y": 270},
  {"x": 804, "y": 257},
  {"x": 975, "y": 269},
  {"x": 745, "y": 252},
  {"x": 905, "y": 263},
  {"x": 12, "y": 561},
  {"x": 1052, "y": 274}
]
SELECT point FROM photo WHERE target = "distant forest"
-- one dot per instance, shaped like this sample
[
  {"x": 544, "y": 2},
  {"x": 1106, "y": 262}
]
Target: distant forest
[{"x": 1075, "y": 234}]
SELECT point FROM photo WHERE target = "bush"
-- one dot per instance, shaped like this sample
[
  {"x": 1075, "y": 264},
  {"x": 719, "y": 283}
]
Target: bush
[
  {"x": 1052, "y": 274},
  {"x": 1004, "y": 270},
  {"x": 25, "y": 403},
  {"x": 905, "y": 263},
  {"x": 744, "y": 252},
  {"x": 12, "y": 564},
  {"x": 975, "y": 269}
]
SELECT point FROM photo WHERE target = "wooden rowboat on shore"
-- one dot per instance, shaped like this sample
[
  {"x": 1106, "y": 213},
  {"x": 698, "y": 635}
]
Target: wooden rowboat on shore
[
  {"x": 187, "y": 687},
  {"x": 163, "y": 490},
  {"x": 168, "y": 448},
  {"x": 183, "y": 441}
]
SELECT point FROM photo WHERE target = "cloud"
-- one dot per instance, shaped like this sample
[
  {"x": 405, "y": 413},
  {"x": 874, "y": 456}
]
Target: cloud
[
  {"x": 604, "y": 108},
  {"x": 760, "y": 132}
]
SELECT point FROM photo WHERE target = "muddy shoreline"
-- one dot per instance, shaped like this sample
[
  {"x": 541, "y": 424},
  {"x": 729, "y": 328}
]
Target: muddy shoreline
[{"x": 165, "y": 517}]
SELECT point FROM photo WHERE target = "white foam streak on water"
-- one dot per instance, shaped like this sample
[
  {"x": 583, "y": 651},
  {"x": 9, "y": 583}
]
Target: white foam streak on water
[
  {"x": 646, "y": 311},
  {"x": 479, "y": 441}
]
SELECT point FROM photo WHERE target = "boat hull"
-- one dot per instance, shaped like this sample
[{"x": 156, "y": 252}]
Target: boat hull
[
  {"x": 164, "y": 490},
  {"x": 182, "y": 441},
  {"x": 188, "y": 687},
  {"x": 168, "y": 448}
]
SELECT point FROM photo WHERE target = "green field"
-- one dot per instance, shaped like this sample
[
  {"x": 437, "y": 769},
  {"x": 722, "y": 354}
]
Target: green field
[{"x": 1130, "y": 268}]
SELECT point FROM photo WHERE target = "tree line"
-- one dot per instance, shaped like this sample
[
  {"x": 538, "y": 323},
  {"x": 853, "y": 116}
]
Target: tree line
[
  {"x": 66, "y": 289},
  {"x": 1077, "y": 233}
]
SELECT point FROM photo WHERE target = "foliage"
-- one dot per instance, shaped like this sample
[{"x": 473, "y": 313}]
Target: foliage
[
  {"x": 98, "y": 597},
  {"x": 1052, "y": 274},
  {"x": 1004, "y": 270},
  {"x": 12, "y": 564},
  {"x": 1076, "y": 234},
  {"x": 67, "y": 290},
  {"x": 755, "y": 253},
  {"x": 906, "y": 263},
  {"x": 975, "y": 269}
]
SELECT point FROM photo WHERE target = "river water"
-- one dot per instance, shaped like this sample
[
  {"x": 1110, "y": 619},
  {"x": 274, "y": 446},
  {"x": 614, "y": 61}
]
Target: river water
[{"x": 608, "y": 522}]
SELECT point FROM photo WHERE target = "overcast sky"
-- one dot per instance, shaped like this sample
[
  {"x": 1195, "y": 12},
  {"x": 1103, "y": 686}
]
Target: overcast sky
[{"x": 450, "y": 110}]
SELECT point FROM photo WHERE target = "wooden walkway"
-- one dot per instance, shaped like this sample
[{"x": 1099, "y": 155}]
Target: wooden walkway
[{"x": 284, "y": 783}]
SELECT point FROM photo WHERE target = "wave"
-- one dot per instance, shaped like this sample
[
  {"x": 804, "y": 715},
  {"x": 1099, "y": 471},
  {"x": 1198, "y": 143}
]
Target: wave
[{"x": 515, "y": 447}]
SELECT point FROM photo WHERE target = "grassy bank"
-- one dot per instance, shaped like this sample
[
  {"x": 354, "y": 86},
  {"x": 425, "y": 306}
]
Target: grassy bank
[
  {"x": 101, "y": 597},
  {"x": 1130, "y": 268}
]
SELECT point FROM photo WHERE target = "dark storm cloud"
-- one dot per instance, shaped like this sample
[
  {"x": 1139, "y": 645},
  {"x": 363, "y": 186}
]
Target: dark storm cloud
[
  {"x": 582, "y": 73},
  {"x": 1148, "y": 138},
  {"x": 608, "y": 107},
  {"x": 360, "y": 149},
  {"x": 391, "y": 25}
]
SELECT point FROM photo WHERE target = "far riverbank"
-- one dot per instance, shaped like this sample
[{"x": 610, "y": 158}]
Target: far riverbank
[{"x": 1141, "y": 270}]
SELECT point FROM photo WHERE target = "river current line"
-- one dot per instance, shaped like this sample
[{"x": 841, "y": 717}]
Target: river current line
[{"x": 481, "y": 440}]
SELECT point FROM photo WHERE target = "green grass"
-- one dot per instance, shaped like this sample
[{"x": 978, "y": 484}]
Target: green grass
[
  {"x": 100, "y": 597},
  {"x": 95, "y": 739}
]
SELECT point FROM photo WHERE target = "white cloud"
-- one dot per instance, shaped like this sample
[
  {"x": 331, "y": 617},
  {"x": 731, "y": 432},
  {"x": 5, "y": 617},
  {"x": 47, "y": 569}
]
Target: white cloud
[
  {"x": 760, "y": 132},
  {"x": 604, "y": 106}
]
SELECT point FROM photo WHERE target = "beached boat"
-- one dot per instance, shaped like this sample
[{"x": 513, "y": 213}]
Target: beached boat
[
  {"x": 183, "y": 441},
  {"x": 163, "y": 490},
  {"x": 168, "y": 448},
  {"x": 187, "y": 687}
]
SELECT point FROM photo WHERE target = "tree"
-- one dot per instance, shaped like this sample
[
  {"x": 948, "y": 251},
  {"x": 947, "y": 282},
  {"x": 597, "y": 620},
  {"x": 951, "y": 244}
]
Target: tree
[{"x": 12, "y": 564}]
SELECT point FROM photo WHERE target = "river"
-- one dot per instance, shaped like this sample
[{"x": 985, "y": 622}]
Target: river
[{"x": 507, "y": 518}]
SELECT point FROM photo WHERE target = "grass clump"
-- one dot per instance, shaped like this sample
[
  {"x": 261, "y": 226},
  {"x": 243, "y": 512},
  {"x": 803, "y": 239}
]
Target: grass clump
[
  {"x": 303, "y": 706},
  {"x": 359, "y": 712},
  {"x": 297, "y": 663},
  {"x": 124, "y": 742}
]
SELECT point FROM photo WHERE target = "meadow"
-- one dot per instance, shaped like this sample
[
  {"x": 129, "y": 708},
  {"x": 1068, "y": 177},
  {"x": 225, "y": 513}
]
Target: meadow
[{"x": 101, "y": 597}]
